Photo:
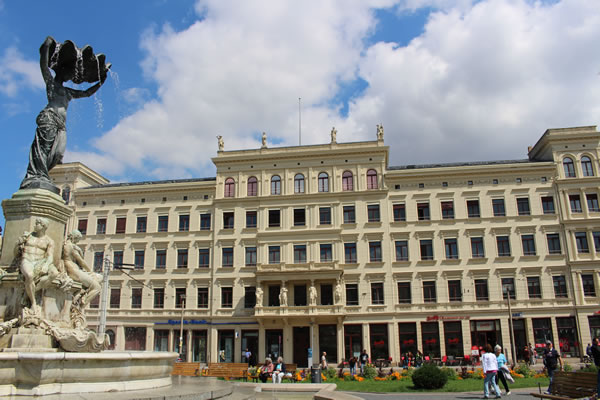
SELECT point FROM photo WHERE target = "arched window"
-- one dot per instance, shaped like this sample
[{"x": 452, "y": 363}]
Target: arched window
[
  {"x": 275, "y": 184},
  {"x": 569, "y": 167},
  {"x": 371, "y": 179},
  {"x": 586, "y": 166},
  {"x": 252, "y": 186},
  {"x": 66, "y": 193},
  {"x": 347, "y": 181},
  {"x": 299, "y": 183},
  {"x": 229, "y": 187},
  {"x": 323, "y": 182}
]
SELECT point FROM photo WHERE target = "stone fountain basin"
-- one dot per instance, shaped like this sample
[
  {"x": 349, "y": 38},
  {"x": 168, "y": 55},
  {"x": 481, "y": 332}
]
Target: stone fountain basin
[{"x": 35, "y": 374}]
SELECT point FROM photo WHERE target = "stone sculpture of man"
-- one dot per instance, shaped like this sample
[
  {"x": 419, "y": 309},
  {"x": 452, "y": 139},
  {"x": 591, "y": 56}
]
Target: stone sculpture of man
[
  {"x": 34, "y": 257},
  {"x": 221, "y": 143},
  {"x": 283, "y": 297},
  {"x": 338, "y": 293},
  {"x": 259, "y": 296},
  {"x": 78, "y": 270},
  {"x": 312, "y": 294},
  {"x": 380, "y": 132},
  {"x": 333, "y": 135},
  {"x": 264, "y": 139},
  {"x": 50, "y": 140}
]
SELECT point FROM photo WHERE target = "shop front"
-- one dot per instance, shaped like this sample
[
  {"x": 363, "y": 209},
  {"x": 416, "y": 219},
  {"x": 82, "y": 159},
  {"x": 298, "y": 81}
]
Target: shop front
[
  {"x": 379, "y": 342},
  {"x": 226, "y": 348},
  {"x": 352, "y": 341},
  {"x": 407, "y": 334},
  {"x": 594, "y": 321},
  {"x": 567, "y": 336},
  {"x": 485, "y": 332},
  {"x": 430, "y": 332},
  {"x": 274, "y": 343},
  {"x": 542, "y": 332},
  {"x": 453, "y": 337},
  {"x": 328, "y": 343},
  {"x": 199, "y": 345}
]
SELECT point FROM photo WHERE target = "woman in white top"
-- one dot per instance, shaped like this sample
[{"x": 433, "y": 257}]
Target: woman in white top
[
  {"x": 489, "y": 363},
  {"x": 324, "y": 361}
]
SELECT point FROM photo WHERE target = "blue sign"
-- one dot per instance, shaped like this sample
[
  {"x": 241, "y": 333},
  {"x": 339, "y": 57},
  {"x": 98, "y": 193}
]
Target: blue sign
[
  {"x": 309, "y": 352},
  {"x": 517, "y": 314}
]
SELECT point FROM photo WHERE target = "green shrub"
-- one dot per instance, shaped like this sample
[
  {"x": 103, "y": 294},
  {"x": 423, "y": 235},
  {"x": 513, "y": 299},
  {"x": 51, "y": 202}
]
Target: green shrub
[
  {"x": 450, "y": 373},
  {"x": 567, "y": 367},
  {"x": 369, "y": 372},
  {"x": 524, "y": 370},
  {"x": 429, "y": 377},
  {"x": 589, "y": 368},
  {"x": 330, "y": 373}
]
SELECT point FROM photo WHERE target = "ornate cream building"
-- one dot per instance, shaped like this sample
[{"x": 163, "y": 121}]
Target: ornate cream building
[{"x": 328, "y": 247}]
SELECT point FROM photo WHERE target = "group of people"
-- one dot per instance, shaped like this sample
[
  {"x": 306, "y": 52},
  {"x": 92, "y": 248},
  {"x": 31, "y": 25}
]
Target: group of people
[
  {"x": 412, "y": 360},
  {"x": 360, "y": 362},
  {"x": 495, "y": 369},
  {"x": 276, "y": 371},
  {"x": 529, "y": 354}
]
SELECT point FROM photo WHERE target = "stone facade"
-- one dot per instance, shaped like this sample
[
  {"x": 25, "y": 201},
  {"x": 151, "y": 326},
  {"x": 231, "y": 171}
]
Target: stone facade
[{"x": 371, "y": 256}]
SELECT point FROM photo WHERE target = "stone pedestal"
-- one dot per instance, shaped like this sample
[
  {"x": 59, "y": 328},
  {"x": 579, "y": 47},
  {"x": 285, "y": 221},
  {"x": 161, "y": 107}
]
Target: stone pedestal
[
  {"x": 20, "y": 213},
  {"x": 30, "y": 340}
]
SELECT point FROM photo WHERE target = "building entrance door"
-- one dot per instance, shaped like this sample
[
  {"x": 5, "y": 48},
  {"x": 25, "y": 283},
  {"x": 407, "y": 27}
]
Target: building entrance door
[{"x": 301, "y": 344}]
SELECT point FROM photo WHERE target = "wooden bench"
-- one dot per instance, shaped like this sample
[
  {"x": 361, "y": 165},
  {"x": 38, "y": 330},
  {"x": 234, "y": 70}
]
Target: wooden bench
[
  {"x": 228, "y": 370},
  {"x": 186, "y": 369},
  {"x": 571, "y": 385}
]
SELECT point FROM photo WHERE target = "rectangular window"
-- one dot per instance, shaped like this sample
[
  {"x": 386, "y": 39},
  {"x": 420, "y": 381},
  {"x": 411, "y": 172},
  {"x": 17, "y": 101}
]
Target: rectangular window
[
  {"x": 508, "y": 287},
  {"x": 477, "y": 249},
  {"x": 159, "y": 297},
  {"x": 350, "y": 253},
  {"x": 182, "y": 258},
  {"x": 180, "y": 297},
  {"x": 481, "y": 290},
  {"x": 226, "y": 297},
  {"x": 548, "y": 204},
  {"x": 404, "y": 293},
  {"x": 503, "y": 244},
  {"x": 401, "y": 250},
  {"x": 533, "y": 287},
  {"x": 451, "y": 248},
  {"x": 498, "y": 207},
  {"x": 596, "y": 237},
  {"x": 115, "y": 298},
  {"x": 447, "y": 210},
  {"x": 249, "y": 297},
  {"x": 251, "y": 219},
  {"x": 523, "y": 206},
  {"x": 349, "y": 215},
  {"x": 82, "y": 226},
  {"x": 121, "y": 225},
  {"x": 326, "y": 295},
  {"x": 582, "y": 242},
  {"x": 426, "y": 246},
  {"x": 325, "y": 215},
  {"x": 205, "y": 222},
  {"x": 299, "y": 295},
  {"x": 299, "y": 217},
  {"x": 429, "y": 292},
  {"x": 528, "y": 242},
  {"x": 377, "y": 293},
  {"x": 250, "y": 256},
  {"x": 228, "y": 220},
  {"x": 473, "y": 209},
  {"x": 273, "y": 299},
  {"x": 136, "y": 297},
  {"x": 554, "y": 243},
  {"x": 100, "y": 226},
  {"x": 203, "y": 258},
  {"x": 423, "y": 212},
  {"x": 373, "y": 213},
  {"x": 202, "y": 297},
  {"x": 227, "y": 257},
  {"x": 139, "y": 259},
  {"x": 274, "y": 254},
  {"x": 375, "y": 251},
  {"x": 163, "y": 223},
  {"x": 560, "y": 286},
  {"x": 592, "y": 202},
  {"x": 326, "y": 252},
  {"x": 98, "y": 261},
  {"x": 351, "y": 294},
  {"x": 184, "y": 223},
  {"x": 575, "y": 203},
  {"x": 141, "y": 224},
  {"x": 454, "y": 290},
  {"x": 399, "y": 212},
  {"x": 161, "y": 258},
  {"x": 299, "y": 254},
  {"x": 589, "y": 289},
  {"x": 274, "y": 218},
  {"x": 118, "y": 258}
]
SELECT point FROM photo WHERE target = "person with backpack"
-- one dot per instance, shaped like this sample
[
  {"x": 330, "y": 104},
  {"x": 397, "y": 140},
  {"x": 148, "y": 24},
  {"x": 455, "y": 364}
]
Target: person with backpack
[{"x": 551, "y": 362}]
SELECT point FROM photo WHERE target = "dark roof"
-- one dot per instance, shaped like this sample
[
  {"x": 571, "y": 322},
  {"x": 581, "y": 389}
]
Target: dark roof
[
  {"x": 109, "y": 185},
  {"x": 459, "y": 164}
]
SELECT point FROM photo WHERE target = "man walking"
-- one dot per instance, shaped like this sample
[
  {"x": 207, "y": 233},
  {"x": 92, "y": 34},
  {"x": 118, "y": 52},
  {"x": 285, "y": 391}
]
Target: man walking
[
  {"x": 551, "y": 361},
  {"x": 596, "y": 355}
]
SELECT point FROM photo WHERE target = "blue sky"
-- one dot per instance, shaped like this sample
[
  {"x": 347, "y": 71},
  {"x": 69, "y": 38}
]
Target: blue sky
[{"x": 450, "y": 80}]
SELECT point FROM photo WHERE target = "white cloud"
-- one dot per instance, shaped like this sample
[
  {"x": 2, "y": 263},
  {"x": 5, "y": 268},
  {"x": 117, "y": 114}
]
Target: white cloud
[
  {"x": 482, "y": 82},
  {"x": 135, "y": 96},
  {"x": 16, "y": 72}
]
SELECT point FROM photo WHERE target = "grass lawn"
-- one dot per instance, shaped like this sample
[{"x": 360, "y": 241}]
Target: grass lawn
[{"x": 406, "y": 385}]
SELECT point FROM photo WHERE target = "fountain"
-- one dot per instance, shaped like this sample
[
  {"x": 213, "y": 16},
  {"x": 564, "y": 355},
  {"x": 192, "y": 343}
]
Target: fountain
[{"x": 45, "y": 285}]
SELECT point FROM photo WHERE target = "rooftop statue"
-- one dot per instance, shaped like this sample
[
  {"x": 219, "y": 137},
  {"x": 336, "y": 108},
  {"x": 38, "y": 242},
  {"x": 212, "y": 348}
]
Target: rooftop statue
[
  {"x": 69, "y": 64},
  {"x": 221, "y": 143}
]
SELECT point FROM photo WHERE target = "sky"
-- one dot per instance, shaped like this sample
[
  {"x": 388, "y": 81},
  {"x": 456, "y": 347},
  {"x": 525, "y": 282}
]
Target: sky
[{"x": 450, "y": 80}]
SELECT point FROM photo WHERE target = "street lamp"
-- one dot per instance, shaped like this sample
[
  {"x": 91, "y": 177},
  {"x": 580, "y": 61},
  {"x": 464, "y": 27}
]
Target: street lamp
[
  {"x": 510, "y": 324},
  {"x": 182, "y": 300}
]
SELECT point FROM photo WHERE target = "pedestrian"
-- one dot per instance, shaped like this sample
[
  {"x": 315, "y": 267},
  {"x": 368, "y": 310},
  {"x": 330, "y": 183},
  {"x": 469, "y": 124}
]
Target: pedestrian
[
  {"x": 324, "y": 361},
  {"x": 364, "y": 358},
  {"x": 502, "y": 368},
  {"x": 596, "y": 356},
  {"x": 588, "y": 350},
  {"x": 489, "y": 363},
  {"x": 352, "y": 365},
  {"x": 551, "y": 362},
  {"x": 248, "y": 354},
  {"x": 527, "y": 355}
]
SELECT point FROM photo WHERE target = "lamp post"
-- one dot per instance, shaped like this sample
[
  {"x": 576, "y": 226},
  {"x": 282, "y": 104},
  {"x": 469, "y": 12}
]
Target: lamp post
[
  {"x": 182, "y": 298},
  {"x": 510, "y": 324}
]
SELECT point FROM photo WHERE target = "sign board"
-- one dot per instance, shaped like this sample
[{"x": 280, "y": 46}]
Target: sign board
[{"x": 517, "y": 314}]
